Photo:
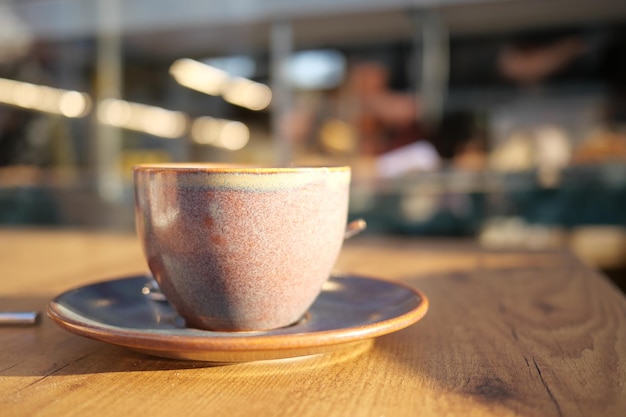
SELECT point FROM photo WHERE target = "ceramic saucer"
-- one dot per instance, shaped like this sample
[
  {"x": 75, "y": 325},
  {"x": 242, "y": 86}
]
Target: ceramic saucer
[{"x": 349, "y": 310}]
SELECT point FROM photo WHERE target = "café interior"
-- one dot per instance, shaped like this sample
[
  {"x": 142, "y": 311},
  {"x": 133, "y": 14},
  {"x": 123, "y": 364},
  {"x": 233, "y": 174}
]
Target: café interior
[{"x": 498, "y": 122}]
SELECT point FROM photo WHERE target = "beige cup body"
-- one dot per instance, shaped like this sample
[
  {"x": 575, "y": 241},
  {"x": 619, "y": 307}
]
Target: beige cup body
[{"x": 241, "y": 249}]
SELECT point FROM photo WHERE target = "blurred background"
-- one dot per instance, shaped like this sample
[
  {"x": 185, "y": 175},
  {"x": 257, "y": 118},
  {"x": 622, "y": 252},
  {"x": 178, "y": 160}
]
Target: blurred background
[{"x": 500, "y": 121}]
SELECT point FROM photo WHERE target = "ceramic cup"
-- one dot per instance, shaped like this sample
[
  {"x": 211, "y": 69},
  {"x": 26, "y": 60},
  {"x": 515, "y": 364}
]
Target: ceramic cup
[{"x": 238, "y": 248}]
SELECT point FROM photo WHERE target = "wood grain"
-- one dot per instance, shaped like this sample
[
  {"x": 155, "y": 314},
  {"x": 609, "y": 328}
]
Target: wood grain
[{"x": 507, "y": 334}]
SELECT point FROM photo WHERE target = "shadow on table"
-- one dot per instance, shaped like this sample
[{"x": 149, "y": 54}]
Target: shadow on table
[{"x": 493, "y": 336}]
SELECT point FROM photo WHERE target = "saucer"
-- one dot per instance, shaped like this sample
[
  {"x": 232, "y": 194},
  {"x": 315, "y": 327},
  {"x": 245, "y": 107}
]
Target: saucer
[{"x": 349, "y": 310}]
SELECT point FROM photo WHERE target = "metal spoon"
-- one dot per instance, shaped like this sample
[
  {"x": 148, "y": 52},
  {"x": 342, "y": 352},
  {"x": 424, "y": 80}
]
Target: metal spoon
[
  {"x": 19, "y": 318},
  {"x": 152, "y": 291}
]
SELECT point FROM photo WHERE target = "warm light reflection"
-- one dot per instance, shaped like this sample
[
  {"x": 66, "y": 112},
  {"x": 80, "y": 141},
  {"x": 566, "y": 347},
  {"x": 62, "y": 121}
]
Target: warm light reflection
[
  {"x": 249, "y": 94},
  {"x": 213, "y": 81},
  {"x": 68, "y": 103},
  {"x": 234, "y": 135},
  {"x": 114, "y": 112},
  {"x": 198, "y": 76},
  {"x": 338, "y": 136},
  {"x": 74, "y": 104},
  {"x": 206, "y": 130},
  {"x": 332, "y": 286},
  {"x": 221, "y": 133},
  {"x": 153, "y": 120},
  {"x": 142, "y": 118}
]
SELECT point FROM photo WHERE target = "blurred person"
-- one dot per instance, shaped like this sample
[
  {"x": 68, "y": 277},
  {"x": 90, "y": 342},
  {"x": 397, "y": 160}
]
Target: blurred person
[
  {"x": 363, "y": 117},
  {"x": 461, "y": 139},
  {"x": 385, "y": 119},
  {"x": 531, "y": 60},
  {"x": 607, "y": 142}
]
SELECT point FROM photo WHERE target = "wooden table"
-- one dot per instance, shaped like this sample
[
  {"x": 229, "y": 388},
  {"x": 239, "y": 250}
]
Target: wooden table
[{"x": 507, "y": 334}]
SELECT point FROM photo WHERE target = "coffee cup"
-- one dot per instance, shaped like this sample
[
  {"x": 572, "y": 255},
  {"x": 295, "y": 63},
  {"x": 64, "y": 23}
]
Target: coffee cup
[{"x": 240, "y": 248}]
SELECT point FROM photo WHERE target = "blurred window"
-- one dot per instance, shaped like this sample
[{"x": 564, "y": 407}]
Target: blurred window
[{"x": 320, "y": 69}]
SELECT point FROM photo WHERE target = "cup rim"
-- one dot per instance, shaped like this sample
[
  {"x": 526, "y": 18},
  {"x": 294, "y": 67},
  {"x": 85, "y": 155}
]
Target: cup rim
[{"x": 233, "y": 168}]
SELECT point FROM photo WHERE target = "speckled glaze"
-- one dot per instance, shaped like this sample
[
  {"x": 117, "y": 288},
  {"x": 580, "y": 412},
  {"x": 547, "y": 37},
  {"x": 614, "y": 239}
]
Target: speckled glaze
[{"x": 238, "y": 248}]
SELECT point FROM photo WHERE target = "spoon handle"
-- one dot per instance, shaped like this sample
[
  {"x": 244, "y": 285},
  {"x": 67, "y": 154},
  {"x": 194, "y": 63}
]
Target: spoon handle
[{"x": 18, "y": 318}]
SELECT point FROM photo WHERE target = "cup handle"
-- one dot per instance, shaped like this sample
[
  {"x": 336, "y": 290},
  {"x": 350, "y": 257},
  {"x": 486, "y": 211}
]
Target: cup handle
[{"x": 354, "y": 228}]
